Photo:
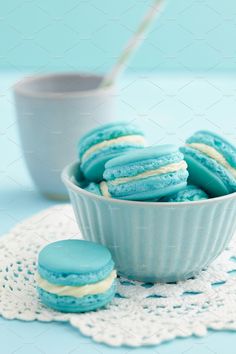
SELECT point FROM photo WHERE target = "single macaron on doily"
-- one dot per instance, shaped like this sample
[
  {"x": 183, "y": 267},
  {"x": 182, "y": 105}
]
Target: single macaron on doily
[
  {"x": 75, "y": 276},
  {"x": 104, "y": 143},
  {"x": 147, "y": 174},
  {"x": 211, "y": 163}
]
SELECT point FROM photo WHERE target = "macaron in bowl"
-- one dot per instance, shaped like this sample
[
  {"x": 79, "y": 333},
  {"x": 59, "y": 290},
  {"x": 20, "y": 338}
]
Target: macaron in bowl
[
  {"x": 94, "y": 188},
  {"x": 190, "y": 193},
  {"x": 75, "y": 276},
  {"x": 211, "y": 163},
  {"x": 154, "y": 241},
  {"x": 104, "y": 143},
  {"x": 148, "y": 174}
]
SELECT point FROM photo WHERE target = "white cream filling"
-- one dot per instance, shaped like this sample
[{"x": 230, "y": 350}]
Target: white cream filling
[
  {"x": 136, "y": 139},
  {"x": 77, "y": 291},
  {"x": 104, "y": 189},
  {"x": 161, "y": 170},
  {"x": 214, "y": 154}
]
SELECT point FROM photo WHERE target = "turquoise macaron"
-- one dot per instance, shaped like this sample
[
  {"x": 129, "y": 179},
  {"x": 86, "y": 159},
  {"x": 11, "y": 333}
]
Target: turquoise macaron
[
  {"x": 75, "y": 276},
  {"x": 148, "y": 174},
  {"x": 93, "y": 188},
  {"x": 190, "y": 193},
  {"x": 211, "y": 163},
  {"x": 104, "y": 143},
  {"x": 97, "y": 188}
]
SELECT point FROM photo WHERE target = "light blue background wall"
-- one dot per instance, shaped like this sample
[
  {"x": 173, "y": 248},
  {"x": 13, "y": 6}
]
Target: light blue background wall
[{"x": 88, "y": 35}]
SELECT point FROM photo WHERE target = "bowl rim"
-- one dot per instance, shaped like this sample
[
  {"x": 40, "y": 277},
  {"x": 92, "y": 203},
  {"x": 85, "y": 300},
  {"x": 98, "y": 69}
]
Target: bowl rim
[
  {"x": 20, "y": 87},
  {"x": 70, "y": 184}
]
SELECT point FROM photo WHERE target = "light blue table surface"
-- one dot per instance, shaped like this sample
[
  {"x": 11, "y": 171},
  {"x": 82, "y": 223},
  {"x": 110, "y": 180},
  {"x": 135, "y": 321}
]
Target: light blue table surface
[{"x": 169, "y": 107}]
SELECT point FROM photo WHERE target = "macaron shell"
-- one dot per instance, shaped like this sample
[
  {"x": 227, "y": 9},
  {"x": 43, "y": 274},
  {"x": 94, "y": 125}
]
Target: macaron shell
[
  {"x": 148, "y": 153},
  {"x": 205, "y": 178},
  {"x": 73, "y": 279},
  {"x": 94, "y": 167},
  {"x": 151, "y": 196},
  {"x": 189, "y": 193},
  {"x": 74, "y": 256}
]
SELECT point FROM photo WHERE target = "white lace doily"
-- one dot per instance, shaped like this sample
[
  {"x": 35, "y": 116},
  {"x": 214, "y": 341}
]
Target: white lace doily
[{"x": 141, "y": 314}]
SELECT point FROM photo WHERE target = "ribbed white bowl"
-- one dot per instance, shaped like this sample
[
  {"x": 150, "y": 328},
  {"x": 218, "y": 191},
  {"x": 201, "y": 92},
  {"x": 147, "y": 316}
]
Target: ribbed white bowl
[{"x": 150, "y": 241}]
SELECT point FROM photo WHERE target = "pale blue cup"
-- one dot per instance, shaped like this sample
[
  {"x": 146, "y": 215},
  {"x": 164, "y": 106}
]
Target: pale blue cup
[
  {"x": 53, "y": 112},
  {"x": 154, "y": 242}
]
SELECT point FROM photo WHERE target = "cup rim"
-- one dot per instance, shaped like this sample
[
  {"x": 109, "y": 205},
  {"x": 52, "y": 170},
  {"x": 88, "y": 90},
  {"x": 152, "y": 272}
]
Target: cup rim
[
  {"x": 19, "y": 87},
  {"x": 67, "y": 181}
]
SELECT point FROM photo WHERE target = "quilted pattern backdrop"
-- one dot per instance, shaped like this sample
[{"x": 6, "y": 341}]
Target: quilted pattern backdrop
[{"x": 191, "y": 35}]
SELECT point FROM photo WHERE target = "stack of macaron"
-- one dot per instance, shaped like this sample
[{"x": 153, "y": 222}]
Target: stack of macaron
[{"x": 117, "y": 162}]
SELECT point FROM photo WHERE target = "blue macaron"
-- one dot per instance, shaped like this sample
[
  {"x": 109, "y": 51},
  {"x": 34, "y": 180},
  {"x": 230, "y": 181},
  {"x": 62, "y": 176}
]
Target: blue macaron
[
  {"x": 104, "y": 143},
  {"x": 93, "y": 188},
  {"x": 98, "y": 188},
  {"x": 188, "y": 194},
  {"x": 211, "y": 163},
  {"x": 148, "y": 174},
  {"x": 75, "y": 276}
]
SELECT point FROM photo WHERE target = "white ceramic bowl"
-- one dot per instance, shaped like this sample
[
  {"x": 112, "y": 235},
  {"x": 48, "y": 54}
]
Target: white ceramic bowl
[{"x": 150, "y": 241}]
